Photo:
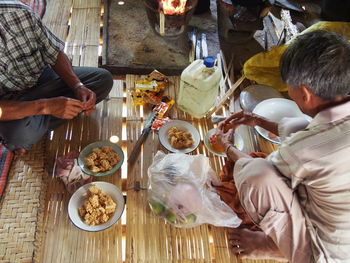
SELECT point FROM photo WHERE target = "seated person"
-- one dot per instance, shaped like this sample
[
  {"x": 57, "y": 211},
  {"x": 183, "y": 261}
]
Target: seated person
[
  {"x": 39, "y": 89},
  {"x": 299, "y": 195}
]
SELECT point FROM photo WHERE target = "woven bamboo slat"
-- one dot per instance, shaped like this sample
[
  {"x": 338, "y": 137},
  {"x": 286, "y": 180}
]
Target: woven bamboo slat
[
  {"x": 147, "y": 237},
  {"x": 20, "y": 214},
  {"x": 63, "y": 241},
  {"x": 86, "y": 4},
  {"x": 58, "y": 21},
  {"x": 84, "y": 36}
]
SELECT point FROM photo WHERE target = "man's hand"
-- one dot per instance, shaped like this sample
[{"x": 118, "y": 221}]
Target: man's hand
[
  {"x": 242, "y": 117},
  {"x": 63, "y": 107},
  {"x": 249, "y": 119},
  {"x": 64, "y": 69},
  {"x": 226, "y": 139},
  {"x": 223, "y": 137},
  {"x": 88, "y": 97}
]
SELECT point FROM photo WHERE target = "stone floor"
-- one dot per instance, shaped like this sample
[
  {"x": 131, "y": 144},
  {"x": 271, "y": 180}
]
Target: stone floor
[{"x": 132, "y": 46}]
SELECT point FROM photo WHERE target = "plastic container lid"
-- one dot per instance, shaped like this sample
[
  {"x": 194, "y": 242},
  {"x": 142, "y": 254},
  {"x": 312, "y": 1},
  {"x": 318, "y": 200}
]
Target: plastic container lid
[{"x": 209, "y": 61}]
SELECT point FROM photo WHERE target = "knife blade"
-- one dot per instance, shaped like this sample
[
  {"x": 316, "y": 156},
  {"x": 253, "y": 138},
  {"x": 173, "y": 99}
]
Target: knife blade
[{"x": 145, "y": 131}]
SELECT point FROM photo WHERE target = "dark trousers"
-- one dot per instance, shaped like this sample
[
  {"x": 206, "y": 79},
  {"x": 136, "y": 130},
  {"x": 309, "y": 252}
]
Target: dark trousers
[{"x": 23, "y": 133}]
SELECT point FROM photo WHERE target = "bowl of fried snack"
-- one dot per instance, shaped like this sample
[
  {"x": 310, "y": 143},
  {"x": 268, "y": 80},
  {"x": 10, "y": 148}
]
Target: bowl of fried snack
[
  {"x": 101, "y": 158},
  {"x": 179, "y": 136},
  {"x": 96, "y": 206}
]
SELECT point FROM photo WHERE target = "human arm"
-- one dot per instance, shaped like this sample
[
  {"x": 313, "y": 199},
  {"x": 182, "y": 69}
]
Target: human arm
[
  {"x": 64, "y": 69},
  {"x": 249, "y": 119},
  {"x": 60, "y": 107},
  {"x": 51, "y": 49}
]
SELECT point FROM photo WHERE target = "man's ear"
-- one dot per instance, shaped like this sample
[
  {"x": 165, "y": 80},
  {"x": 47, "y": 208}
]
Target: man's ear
[{"x": 306, "y": 93}]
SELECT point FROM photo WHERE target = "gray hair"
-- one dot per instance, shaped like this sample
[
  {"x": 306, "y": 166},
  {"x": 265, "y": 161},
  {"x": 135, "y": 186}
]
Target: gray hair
[{"x": 319, "y": 60}]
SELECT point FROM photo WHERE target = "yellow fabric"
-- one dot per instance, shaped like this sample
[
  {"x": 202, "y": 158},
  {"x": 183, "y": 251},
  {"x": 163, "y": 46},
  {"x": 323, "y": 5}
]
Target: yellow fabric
[{"x": 264, "y": 67}]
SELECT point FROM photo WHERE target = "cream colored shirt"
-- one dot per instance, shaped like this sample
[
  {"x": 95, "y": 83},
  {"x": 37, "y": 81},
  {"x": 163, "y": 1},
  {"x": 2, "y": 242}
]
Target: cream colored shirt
[{"x": 317, "y": 162}]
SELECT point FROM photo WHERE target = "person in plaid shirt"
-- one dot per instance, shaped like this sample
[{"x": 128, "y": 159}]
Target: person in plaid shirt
[{"x": 39, "y": 89}]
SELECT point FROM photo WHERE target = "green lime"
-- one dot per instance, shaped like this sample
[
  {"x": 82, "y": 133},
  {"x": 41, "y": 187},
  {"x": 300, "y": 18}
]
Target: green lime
[
  {"x": 171, "y": 217},
  {"x": 157, "y": 208},
  {"x": 191, "y": 218}
]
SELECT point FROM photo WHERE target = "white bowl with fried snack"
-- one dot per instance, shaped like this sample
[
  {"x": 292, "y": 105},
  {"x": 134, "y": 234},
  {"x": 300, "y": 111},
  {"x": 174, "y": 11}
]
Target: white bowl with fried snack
[
  {"x": 77, "y": 200},
  {"x": 183, "y": 126}
]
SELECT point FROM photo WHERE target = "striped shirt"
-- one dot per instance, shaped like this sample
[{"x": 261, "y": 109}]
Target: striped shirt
[
  {"x": 317, "y": 162},
  {"x": 26, "y": 47}
]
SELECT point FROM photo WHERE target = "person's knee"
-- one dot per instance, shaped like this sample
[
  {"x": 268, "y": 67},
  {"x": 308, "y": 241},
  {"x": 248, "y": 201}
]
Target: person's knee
[
  {"x": 105, "y": 84},
  {"x": 262, "y": 189},
  {"x": 23, "y": 133},
  {"x": 261, "y": 173}
]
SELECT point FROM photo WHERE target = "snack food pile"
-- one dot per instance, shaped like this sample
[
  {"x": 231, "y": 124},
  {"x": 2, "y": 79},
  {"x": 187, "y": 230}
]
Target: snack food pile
[
  {"x": 101, "y": 159},
  {"x": 97, "y": 208},
  {"x": 179, "y": 139},
  {"x": 151, "y": 89}
]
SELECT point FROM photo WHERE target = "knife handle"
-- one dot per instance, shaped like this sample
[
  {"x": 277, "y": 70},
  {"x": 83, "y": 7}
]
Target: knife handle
[{"x": 136, "y": 150}]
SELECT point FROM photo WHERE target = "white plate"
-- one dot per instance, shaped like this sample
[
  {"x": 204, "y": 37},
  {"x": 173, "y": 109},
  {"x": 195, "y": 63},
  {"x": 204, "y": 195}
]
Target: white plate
[
  {"x": 182, "y": 125},
  {"x": 239, "y": 143},
  {"x": 275, "y": 109},
  {"x": 79, "y": 197}
]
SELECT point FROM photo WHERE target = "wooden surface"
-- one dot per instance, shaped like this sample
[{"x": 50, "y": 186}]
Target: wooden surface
[{"x": 139, "y": 236}]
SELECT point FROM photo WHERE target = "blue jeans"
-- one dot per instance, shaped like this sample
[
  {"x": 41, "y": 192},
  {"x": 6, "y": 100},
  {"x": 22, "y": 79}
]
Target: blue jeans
[{"x": 23, "y": 133}]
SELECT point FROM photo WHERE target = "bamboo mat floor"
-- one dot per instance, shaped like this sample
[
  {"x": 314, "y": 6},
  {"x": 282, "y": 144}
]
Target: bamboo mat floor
[{"x": 139, "y": 236}]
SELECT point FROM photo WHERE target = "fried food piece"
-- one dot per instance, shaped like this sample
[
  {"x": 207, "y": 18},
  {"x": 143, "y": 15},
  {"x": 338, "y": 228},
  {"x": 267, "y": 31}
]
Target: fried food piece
[
  {"x": 179, "y": 139},
  {"x": 101, "y": 159},
  {"x": 98, "y": 208}
]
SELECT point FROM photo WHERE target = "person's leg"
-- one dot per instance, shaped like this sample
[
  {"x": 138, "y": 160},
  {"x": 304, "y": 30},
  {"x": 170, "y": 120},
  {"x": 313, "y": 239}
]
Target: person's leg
[
  {"x": 274, "y": 207},
  {"x": 26, "y": 132},
  {"x": 22, "y": 134},
  {"x": 50, "y": 85},
  {"x": 99, "y": 80}
]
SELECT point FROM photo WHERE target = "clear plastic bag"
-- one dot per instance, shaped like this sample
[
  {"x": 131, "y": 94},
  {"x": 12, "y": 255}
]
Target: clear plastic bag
[{"x": 180, "y": 191}]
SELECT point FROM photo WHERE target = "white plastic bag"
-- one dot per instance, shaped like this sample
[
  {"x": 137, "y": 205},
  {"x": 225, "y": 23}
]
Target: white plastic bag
[{"x": 179, "y": 190}]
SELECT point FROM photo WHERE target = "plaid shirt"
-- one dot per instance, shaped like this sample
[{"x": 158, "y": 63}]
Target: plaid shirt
[{"x": 26, "y": 47}]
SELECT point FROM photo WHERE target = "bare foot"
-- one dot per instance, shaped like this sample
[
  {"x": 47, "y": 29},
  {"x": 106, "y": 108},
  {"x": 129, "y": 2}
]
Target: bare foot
[
  {"x": 20, "y": 151},
  {"x": 253, "y": 245}
]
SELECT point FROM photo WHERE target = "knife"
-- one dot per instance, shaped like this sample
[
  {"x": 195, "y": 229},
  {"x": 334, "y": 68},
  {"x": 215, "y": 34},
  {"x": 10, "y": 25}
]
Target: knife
[{"x": 145, "y": 131}]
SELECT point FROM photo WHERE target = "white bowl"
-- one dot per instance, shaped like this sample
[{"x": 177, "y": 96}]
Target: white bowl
[
  {"x": 182, "y": 125},
  {"x": 276, "y": 109},
  {"x": 238, "y": 141},
  {"x": 78, "y": 198}
]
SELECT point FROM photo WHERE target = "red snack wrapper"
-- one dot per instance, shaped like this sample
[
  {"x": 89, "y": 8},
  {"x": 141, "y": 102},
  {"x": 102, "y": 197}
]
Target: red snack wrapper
[
  {"x": 163, "y": 107},
  {"x": 159, "y": 123}
]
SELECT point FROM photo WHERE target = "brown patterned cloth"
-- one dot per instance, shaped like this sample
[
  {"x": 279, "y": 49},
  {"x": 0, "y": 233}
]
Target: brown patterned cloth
[{"x": 229, "y": 194}]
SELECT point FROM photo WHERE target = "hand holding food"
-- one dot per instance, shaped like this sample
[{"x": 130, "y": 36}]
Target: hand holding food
[
  {"x": 239, "y": 118},
  {"x": 215, "y": 145},
  {"x": 224, "y": 138}
]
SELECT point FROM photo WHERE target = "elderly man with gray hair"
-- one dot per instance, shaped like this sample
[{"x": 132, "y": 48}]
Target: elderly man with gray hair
[{"x": 299, "y": 195}]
